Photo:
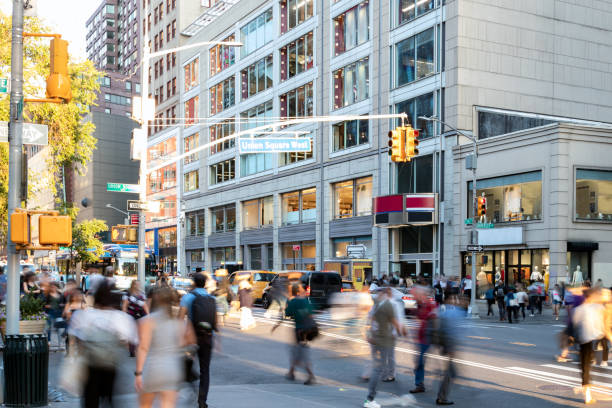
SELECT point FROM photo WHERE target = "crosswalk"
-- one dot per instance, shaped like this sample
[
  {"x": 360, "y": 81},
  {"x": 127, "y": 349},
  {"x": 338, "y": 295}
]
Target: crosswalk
[{"x": 570, "y": 375}]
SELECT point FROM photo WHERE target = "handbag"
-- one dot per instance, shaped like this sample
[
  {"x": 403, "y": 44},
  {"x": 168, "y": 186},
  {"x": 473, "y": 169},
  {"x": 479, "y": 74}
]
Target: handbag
[
  {"x": 73, "y": 375},
  {"x": 310, "y": 331}
]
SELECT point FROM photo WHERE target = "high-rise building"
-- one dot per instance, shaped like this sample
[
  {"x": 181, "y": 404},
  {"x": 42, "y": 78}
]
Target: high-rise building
[{"x": 495, "y": 72}]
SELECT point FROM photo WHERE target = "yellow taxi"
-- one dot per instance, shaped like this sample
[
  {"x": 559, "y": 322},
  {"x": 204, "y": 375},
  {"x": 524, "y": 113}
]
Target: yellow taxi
[{"x": 257, "y": 279}]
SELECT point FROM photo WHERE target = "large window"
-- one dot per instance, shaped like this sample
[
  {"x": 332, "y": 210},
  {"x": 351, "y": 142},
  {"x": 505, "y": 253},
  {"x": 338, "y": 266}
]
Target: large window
[
  {"x": 189, "y": 143},
  {"x": 256, "y": 116},
  {"x": 224, "y": 255},
  {"x": 409, "y": 9},
  {"x": 416, "y": 176},
  {"x": 494, "y": 124},
  {"x": 192, "y": 73},
  {"x": 257, "y": 77},
  {"x": 594, "y": 195},
  {"x": 224, "y": 218},
  {"x": 257, "y": 33},
  {"x": 258, "y": 213},
  {"x": 420, "y": 106},
  {"x": 294, "y": 157},
  {"x": 222, "y": 95},
  {"x": 510, "y": 198},
  {"x": 162, "y": 179},
  {"x": 351, "y": 84},
  {"x": 161, "y": 150},
  {"x": 294, "y": 13},
  {"x": 223, "y": 171},
  {"x": 297, "y": 57},
  {"x": 300, "y": 206},
  {"x": 353, "y": 198},
  {"x": 192, "y": 108},
  {"x": 222, "y": 56},
  {"x": 194, "y": 223},
  {"x": 166, "y": 237},
  {"x": 219, "y": 131},
  {"x": 351, "y": 28},
  {"x": 415, "y": 57},
  {"x": 350, "y": 134},
  {"x": 191, "y": 181},
  {"x": 298, "y": 102}
]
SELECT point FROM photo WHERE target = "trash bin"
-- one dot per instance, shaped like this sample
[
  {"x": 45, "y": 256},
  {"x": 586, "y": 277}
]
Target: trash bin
[{"x": 26, "y": 370}]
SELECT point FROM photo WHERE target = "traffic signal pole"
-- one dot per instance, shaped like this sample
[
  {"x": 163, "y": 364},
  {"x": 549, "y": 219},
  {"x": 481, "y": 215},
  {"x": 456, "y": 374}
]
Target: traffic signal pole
[{"x": 15, "y": 151}]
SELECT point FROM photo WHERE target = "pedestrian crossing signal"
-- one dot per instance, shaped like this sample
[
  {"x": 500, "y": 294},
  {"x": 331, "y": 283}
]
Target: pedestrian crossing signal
[{"x": 124, "y": 234}]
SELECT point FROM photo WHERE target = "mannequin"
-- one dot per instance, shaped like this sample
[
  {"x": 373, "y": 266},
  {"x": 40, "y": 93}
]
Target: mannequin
[
  {"x": 535, "y": 275},
  {"x": 498, "y": 275},
  {"x": 577, "y": 279},
  {"x": 482, "y": 276},
  {"x": 546, "y": 278}
]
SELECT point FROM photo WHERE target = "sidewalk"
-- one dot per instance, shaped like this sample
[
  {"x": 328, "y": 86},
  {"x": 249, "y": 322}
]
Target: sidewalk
[
  {"x": 268, "y": 395},
  {"x": 545, "y": 317}
]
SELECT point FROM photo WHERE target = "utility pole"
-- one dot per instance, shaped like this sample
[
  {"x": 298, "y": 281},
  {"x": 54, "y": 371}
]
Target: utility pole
[{"x": 15, "y": 158}]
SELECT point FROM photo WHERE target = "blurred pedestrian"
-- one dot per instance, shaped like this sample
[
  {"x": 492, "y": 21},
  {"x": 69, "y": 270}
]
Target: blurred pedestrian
[
  {"x": 449, "y": 331},
  {"x": 490, "y": 297},
  {"x": 201, "y": 309},
  {"x": 159, "y": 362},
  {"x": 278, "y": 297},
  {"x": 29, "y": 286},
  {"x": 222, "y": 294},
  {"x": 3, "y": 283},
  {"x": 511, "y": 305},
  {"x": 426, "y": 312},
  {"x": 300, "y": 310},
  {"x": 467, "y": 286},
  {"x": 74, "y": 302},
  {"x": 100, "y": 331},
  {"x": 382, "y": 340},
  {"x": 246, "y": 303},
  {"x": 135, "y": 304},
  {"x": 555, "y": 296},
  {"x": 523, "y": 300},
  {"x": 500, "y": 295},
  {"x": 588, "y": 319},
  {"x": 53, "y": 306}
]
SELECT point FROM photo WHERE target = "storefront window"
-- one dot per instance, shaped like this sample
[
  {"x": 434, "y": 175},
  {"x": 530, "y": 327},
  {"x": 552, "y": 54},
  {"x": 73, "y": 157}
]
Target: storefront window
[
  {"x": 594, "y": 195},
  {"x": 353, "y": 198},
  {"x": 167, "y": 237},
  {"x": 255, "y": 255},
  {"x": 510, "y": 198},
  {"x": 302, "y": 259},
  {"x": 258, "y": 213},
  {"x": 340, "y": 245},
  {"x": 223, "y": 171},
  {"x": 224, "y": 255},
  {"x": 299, "y": 206}
]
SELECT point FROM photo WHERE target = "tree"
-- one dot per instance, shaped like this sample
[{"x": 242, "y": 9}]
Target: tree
[
  {"x": 71, "y": 140},
  {"x": 85, "y": 244}
]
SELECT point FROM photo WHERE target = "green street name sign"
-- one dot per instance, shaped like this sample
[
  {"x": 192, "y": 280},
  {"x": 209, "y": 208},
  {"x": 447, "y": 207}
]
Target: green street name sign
[
  {"x": 123, "y": 188},
  {"x": 3, "y": 85}
]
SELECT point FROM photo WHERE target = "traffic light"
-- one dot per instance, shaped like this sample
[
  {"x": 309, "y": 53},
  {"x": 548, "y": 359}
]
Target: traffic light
[
  {"x": 58, "y": 82},
  {"x": 412, "y": 143},
  {"x": 55, "y": 230},
  {"x": 482, "y": 206},
  {"x": 397, "y": 145},
  {"x": 20, "y": 228},
  {"x": 124, "y": 234}
]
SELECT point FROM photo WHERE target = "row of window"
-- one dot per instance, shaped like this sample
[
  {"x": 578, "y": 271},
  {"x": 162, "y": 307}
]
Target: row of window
[{"x": 352, "y": 198}]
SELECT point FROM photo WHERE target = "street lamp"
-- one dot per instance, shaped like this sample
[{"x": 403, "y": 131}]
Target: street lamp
[
  {"x": 121, "y": 211},
  {"x": 473, "y": 309}
]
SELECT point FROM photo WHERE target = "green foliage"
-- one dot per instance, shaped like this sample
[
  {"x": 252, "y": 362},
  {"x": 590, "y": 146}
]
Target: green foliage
[
  {"x": 88, "y": 248},
  {"x": 71, "y": 140},
  {"x": 31, "y": 308}
]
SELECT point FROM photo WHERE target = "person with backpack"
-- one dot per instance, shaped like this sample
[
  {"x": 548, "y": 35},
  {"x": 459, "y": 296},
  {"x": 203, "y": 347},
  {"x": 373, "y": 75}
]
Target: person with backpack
[
  {"x": 500, "y": 294},
  {"x": 512, "y": 305},
  {"x": 300, "y": 309},
  {"x": 201, "y": 310},
  {"x": 534, "y": 298},
  {"x": 382, "y": 340}
]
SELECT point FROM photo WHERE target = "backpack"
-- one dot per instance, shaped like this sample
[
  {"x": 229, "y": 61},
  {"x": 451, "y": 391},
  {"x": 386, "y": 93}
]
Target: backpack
[
  {"x": 204, "y": 316},
  {"x": 500, "y": 291}
]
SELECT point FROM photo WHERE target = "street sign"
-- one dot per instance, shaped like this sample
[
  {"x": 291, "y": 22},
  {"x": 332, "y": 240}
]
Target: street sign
[
  {"x": 133, "y": 219},
  {"x": 148, "y": 206},
  {"x": 275, "y": 145},
  {"x": 3, "y": 85},
  {"x": 296, "y": 248},
  {"x": 475, "y": 248},
  {"x": 33, "y": 133},
  {"x": 123, "y": 188}
]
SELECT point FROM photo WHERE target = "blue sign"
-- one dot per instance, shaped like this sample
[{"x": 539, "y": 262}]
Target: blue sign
[{"x": 275, "y": 145}]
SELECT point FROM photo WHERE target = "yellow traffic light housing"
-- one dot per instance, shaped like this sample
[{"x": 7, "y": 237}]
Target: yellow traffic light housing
[
  {"x": 397, "y": 144},
  {"x": 412, "y": 143},
  {"x": 122, "y": 234},
  {"x": 55, "y": 230},
  {"x": 20, "y": 228},
  {"x": 58, "y": 82},
  {"x": 482, "y": 207}
]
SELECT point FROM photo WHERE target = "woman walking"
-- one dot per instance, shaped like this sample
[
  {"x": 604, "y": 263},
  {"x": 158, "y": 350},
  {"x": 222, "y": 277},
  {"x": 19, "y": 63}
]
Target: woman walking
[
  {"x": 135, "y": 304},
  {"x": 555, "y": 295},
  {"x": 246, "y": 303},
  {"x": 74, "y": 303},
  {"x": 159, "y": 365}
]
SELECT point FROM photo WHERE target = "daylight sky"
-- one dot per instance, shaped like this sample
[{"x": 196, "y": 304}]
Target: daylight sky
[{"x": 66, "y": 17}]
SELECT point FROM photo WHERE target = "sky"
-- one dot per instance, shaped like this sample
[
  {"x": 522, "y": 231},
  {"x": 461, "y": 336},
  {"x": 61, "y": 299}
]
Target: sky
[{"x": 66, "y": 17}]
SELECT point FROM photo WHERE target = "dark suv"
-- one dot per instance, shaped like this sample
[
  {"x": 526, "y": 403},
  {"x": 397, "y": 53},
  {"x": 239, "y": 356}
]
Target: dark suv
[{"x": 320, "y": 286}]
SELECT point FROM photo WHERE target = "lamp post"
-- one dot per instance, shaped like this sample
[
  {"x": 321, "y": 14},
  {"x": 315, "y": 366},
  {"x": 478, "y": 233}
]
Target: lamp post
[
  {"x": 146, "y": 115},
  {"x": 473, "y": 308},
  {"x": 121, "y": 211}
]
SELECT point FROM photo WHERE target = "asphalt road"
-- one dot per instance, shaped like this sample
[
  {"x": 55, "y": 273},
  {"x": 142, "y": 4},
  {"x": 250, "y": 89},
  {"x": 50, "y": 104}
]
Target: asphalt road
[{"x": 499, "y": 365}]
